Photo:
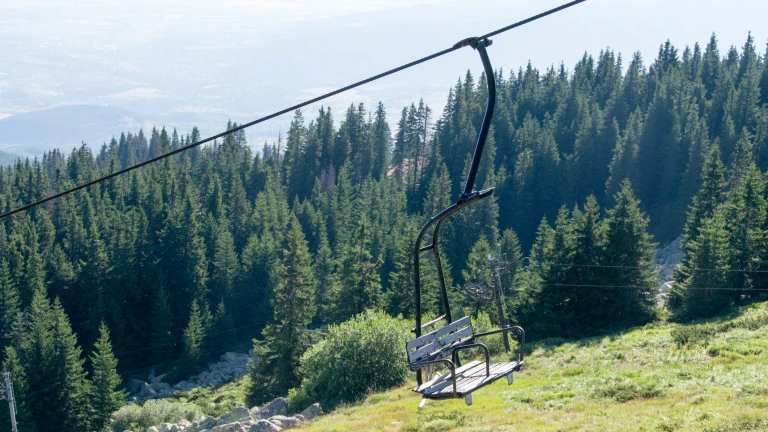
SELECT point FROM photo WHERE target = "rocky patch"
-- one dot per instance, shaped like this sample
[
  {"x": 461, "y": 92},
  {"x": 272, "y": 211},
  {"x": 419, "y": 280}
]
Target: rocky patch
[{"x": 270, "y": 418}]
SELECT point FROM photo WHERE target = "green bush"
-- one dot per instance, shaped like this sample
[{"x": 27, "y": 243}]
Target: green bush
[
  {"x": 494, "y": 343},
  {"x": 152, "y": 413},
  {"x": 366, "y": 353},
  {"x": 627, "y": 390}
]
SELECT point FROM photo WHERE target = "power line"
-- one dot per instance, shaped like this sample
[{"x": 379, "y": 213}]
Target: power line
[
  {"x": 455, "y": 47},
  {"x": 567, "y": 285},
  {"x": 643, "y": 267}
]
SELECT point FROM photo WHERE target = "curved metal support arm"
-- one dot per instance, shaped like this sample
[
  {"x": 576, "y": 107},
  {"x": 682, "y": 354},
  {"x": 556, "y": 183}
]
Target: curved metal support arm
[
  {"x": 467, "y": 197},
  {"x": 480, "y": 45},
  {"x": 515, "y": 329},
  {"x": 455, "y": 355}
]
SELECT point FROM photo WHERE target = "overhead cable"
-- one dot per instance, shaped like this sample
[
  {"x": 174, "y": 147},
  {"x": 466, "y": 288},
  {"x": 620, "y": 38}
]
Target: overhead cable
[{"x": 292, "y": 108}]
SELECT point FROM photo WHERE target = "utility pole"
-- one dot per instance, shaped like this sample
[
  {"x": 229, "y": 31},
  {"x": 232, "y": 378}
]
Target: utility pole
[
  {"x": 7, "y": 393},
  {"x": 499, "y": 266}
]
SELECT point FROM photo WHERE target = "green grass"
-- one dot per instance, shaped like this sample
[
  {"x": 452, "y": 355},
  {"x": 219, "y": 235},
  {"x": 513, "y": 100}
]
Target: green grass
[
  {"x": 216, "y": 401},
  {"x": 709, "y": 376},
  {"x": 645, "y": 379}
]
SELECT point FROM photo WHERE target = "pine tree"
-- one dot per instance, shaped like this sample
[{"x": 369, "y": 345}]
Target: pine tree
[
  {"x": 10, "y": 304},
  {"x": 105, "y": 396},
  {"x": 359, "y": 280},
  {"x": 72, "y": 386},
  {"x": 628, "y": 259},
  {"x": 400, "y": 296},
  {"x": 160, "y": 328},
  {"x": 294, "y": 307},
  {"x": 700, "y": 293},
  {"x": 194, "y": 338},
  {"x": 13, "y": 365}
]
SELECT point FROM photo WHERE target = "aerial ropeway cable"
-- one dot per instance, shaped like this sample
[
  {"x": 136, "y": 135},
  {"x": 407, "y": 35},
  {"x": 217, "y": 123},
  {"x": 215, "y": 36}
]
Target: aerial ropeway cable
[{"x": 455, "y": 47}]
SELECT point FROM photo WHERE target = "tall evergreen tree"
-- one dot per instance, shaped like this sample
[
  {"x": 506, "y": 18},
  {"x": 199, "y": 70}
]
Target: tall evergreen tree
[
  {"x": 105, "y": 396},
  {"x": 284, "y": 342}
]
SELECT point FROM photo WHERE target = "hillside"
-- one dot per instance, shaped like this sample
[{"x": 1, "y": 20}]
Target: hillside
[
  {"x": 635, "y": 380},
  {"x": 7, "y": 158}
]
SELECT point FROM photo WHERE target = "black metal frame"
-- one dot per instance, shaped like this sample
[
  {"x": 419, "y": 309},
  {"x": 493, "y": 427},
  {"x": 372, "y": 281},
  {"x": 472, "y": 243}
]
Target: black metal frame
[{"x": 468, "y": 197}]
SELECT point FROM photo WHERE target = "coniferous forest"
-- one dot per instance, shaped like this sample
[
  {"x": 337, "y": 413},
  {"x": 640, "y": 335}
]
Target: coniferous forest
[{"x": 168, "y": 267}]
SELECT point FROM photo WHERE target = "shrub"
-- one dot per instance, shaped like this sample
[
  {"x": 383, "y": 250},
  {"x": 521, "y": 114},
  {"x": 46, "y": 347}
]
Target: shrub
[
  {"x": 153, "y": 412},
  {"x": 494, "y": 343},
  {"x": 366, "y": 353},
  {"x": 626, "y": 390}
]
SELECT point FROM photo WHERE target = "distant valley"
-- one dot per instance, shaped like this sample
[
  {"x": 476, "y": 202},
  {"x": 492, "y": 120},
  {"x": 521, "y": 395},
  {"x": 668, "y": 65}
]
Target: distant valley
[{"x": 33, "y": 133}]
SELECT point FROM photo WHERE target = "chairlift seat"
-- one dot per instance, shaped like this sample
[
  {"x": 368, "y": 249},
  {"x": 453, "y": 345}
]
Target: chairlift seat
[{"x": 437, "y": 346}]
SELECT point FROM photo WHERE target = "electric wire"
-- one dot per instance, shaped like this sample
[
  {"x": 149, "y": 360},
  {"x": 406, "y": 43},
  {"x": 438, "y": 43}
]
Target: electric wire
[
  {"x": 291, "y": 108},
  {"x": 642, "y": 267}
]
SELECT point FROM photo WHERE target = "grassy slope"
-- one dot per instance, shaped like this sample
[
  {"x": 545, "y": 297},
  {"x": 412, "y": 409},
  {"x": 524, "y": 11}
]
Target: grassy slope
[{"x": 638, "y": 380}]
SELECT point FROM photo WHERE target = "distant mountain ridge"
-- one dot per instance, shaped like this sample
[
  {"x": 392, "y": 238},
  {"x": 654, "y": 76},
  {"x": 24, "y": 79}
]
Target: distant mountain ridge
[
  {"x": 7, "y": 158},
  {"x": 34, "y": 133}
]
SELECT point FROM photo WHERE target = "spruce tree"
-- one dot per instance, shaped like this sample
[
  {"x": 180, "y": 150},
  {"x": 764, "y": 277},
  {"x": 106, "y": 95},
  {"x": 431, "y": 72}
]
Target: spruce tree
[
  {"x": 359, "y": 280},
  {"x": 105, "y": 396},
  {"x": 72, "y": 385},
  {"x": 400, "y": 296},
  {"x": 276, "y": 371},
  {"x": 10, "y": 303},
  {"x": 628, "y": 259},
  {"x": 702, "y": 292},
  {"x": 194, "y": 338},
  {"x": 21, "y": 392}
]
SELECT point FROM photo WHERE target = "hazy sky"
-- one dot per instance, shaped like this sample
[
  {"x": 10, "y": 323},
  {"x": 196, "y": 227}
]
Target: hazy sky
[{"x": 203, "y": 62}]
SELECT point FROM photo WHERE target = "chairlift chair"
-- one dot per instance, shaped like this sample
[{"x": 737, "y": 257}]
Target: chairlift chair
[{"x": 447, "y": 341}]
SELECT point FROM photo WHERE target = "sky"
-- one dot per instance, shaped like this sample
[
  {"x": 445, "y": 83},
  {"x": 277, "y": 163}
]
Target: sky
[{"x": 177, "y": 63}]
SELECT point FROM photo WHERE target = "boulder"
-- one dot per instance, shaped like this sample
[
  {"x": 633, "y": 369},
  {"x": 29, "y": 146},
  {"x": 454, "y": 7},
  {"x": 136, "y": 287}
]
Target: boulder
[
  {"x": 291, "y": 422},
  {"x": 264, "y": 426},
  {"x": 313, "y": 411},
  {"x": 156, "y": 379},
  {"x": 134, "y": 385},
  {"x": 184, "y": 424},
  {"x": 146, "y": 392},
  {"x": 204, "y": 423},
  {"x": 185, "y": 386},
  {"x": 301, "y": 418},
  {"x": 153, "y": 429},
  {"x": 239, "y": 413},
  {"x": 231, "y": 427},
  {"x": 277, "y": 420},
  {"x": 168, "y": 427},
  {"x": 162, "y": 389},
  {"x": 278, "y": 406}
]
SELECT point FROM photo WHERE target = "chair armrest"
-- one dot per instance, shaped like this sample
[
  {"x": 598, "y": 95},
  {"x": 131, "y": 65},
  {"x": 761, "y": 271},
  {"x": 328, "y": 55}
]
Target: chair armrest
[
  {"x": 455, "y": 355},
  {"x": 515, "y": 329},
  {"x": 447, "y": 362}
]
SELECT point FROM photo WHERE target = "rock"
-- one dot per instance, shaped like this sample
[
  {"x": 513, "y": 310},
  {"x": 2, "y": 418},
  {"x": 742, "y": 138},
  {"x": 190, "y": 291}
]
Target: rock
[
  {"x": 291, "y": 422},
  {"x": 156, "y": 379},
  {"x": 146, "y": 392},
  {"x": 239, "y": 413},
  {"x": 184, "y": 424},
  {"x": 301, "y": 418},
  {"x": 278, "y": 406},
  {"x": 153, "y": 429},
  {"x": 231, "y": 427},
  {"x": 185, "y": 386},
  {"x": 134, "y": 385},
  {"x": 277, "y": 420},
  {"x": 162, "y": 389},
  {"x": 254, "y": 412},
  {"x": 264, "y": 426},
  {"x": 168, "y": 427},
  {"x": 205, "y": 423},
  {"x": 313, "y": 411}
]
